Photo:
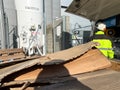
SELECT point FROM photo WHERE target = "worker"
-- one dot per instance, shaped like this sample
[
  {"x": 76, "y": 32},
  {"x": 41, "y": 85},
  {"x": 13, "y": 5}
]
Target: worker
[{"x": 105, "y": 42}]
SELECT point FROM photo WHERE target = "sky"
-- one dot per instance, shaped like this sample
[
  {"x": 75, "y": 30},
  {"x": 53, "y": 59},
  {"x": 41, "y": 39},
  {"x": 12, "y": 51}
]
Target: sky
[
  {"x": 74, "y": 18},
  {"x": 66, "y": 2}
]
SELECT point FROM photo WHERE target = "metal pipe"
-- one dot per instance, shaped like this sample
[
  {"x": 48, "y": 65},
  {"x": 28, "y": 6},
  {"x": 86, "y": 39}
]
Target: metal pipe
[{"x": 44, "y": 29}]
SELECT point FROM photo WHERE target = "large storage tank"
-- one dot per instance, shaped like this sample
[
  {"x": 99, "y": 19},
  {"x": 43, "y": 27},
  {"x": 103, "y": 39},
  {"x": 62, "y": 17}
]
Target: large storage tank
[
  {"x": 8, "y": 24},
  {"x": 53, "y": 10},
  {"x": 30, "y": 24}
]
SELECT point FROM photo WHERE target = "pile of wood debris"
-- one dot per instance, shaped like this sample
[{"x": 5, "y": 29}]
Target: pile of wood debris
[{"x": 29, "y": 72}]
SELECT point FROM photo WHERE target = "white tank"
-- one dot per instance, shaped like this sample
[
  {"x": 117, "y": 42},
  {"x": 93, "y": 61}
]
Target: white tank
[
  {"x": 30, "y": 24},
  {"x": 9, "y": 22}
]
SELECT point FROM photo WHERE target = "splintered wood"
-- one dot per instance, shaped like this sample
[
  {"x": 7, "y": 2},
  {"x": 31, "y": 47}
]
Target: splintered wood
[
  {"x": 76, "y": 60},
  {"x": 90, "y": 61}
]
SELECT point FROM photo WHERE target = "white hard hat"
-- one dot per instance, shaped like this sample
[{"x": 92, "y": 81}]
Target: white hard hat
[{"x": 101, "y": 26}]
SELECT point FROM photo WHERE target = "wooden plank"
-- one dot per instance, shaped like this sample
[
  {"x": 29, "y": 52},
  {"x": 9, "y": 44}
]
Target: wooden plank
[
  {"x": 61, "y": 79},
  {"x": 18, "y": 60},
  {"x": 15, "y": 68},
  {"x": 12, "y": 57},
  {"x": 74, "y": 54},
  {"x": 15, "y": 50},
  {"x": 10, "y": 54},
  {"x": 70, "y": 81},
  {"x": 82, "y": 64}
]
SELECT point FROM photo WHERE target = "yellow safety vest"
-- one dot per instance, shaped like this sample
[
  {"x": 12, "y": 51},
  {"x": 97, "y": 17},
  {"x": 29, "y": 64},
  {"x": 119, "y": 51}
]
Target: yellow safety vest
[{"x": 105, "y": 45}]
